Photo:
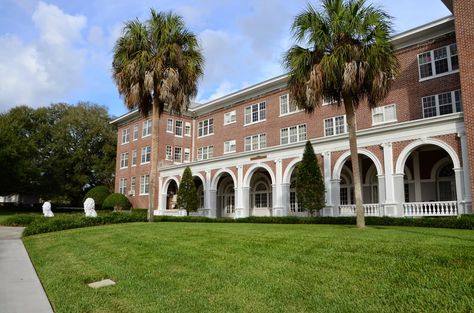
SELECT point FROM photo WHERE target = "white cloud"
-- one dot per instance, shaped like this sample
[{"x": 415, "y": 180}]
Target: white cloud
[
  {"x": 223, "y": 89},
  {"x": 46, "y": 70}
]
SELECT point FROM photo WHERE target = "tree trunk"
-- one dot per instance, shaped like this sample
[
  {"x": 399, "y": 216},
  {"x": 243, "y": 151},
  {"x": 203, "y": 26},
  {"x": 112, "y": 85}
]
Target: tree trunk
[
  {"x": 154, "y": 161},
  {"x": 350, "y": 116}
]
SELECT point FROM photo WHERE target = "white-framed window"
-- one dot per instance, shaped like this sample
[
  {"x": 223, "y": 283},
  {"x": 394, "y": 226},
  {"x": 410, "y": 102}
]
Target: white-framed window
[
  {"x": 187, "y": 129},
  {"x": 205, "y": 153},
  {"x": 255, "y": 142},
  {"x": 125, "y": 136},
  {"x": 123, "y": 186},
  {"x": 169, "y": 153},
  {"x": 438, "y": 62},
  {"x": 229, "y": 146},
  {"x": 187, "y": 155},
  {"x": 135, "y": 132},
  {"x": 169, "y": 125},
  {"x": 293, "y": 134},
  {"x": 335, "y": 125},
  {"x": 144, "y": 184},
  {"x": 146, "y": 155},
  {"x": 255, "y": 113},
  {"x": 133, "y": 185},
  {"x": 178, "y": 129},
  {"x": 230, "y": 117},
  {"x": 206, "y": 127},
  {"x": 441, "y": 104},
  {"x": 384, "y": 114},
  {"x": 178, "y": 154},
  {"x": 146, "y": 131},
  {"x": 134, "y": 158},
  {"x": 287, "y": 106},
  {"x": 124, "y": 160}
]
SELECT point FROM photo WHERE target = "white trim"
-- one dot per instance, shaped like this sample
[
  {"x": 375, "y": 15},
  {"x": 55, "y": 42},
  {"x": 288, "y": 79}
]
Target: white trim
[
  {"x": 167, "y": 182},
  {"x": 217, "y": 176},
  {"x": 436, "y": 167},
  {"x": 289, "y": 170},
  {"x": 253, "y": 168},
  {"x": 402, "y": 158},
  {"x": 203, "y": 180},
  {"x": 345, "y": 156}
]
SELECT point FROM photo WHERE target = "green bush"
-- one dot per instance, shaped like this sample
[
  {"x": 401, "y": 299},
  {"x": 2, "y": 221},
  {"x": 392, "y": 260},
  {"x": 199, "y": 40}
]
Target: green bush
[
  {"x": 116, "y": 202},
  {"x": 98, "y": 193},
  {"x": 20, "y": 220},
  {"x": 45, "y": 225}
]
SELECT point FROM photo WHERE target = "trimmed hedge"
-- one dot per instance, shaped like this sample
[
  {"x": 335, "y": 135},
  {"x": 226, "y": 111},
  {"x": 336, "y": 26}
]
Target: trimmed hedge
[
  {"x": 117, "y": 202},
  {"x": 464, "y": 222},
  {"x": 98, "y": 193},
  {"x": 20, "y": 220},
  {"x": 45, "y": 225}
]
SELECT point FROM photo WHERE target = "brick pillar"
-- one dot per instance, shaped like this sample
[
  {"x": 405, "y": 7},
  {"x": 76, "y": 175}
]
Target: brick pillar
[{"x": 464, "y": 23}]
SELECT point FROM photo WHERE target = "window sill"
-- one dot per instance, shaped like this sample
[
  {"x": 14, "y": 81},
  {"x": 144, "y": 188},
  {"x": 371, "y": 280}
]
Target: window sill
[
  {"x": 438, "y": 76},
  {"x": 144, "y": 163},
  {"x": 384, "y": 123},
  {"x": 230, "y": 123},
  {"x": 146, "y": 136},
  {"x": 203, "y": 136},
  {"x": 290, "y": 113},
  {"x": 253, "y": 123}
]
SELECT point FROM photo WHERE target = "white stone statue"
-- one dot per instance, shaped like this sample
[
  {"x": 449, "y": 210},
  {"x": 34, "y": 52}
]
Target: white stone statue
[
  {"x": 47, "y": 209},
  {"x": 89, "y": 208}
]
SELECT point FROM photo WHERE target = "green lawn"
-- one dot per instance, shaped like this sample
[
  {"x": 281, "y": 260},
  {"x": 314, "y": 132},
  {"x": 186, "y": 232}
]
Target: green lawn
[{"x": 186, "y": 267}]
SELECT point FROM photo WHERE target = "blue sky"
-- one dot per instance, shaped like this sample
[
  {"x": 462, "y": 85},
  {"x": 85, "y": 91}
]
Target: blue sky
[{"x": 61, "y": 51}]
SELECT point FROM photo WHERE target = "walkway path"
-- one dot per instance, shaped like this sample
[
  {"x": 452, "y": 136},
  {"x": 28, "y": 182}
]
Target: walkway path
[{"x": 20, "y": 288}]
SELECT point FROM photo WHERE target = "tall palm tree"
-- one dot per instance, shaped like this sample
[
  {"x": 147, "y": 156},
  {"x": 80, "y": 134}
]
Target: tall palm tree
[
  {"x": 342, "y": 55},
  {"x": 156, "y": 66}
]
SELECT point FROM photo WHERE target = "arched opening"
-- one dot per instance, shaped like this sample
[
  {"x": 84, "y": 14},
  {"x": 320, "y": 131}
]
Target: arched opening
[
  {"x": 200, "y": 191},
  {"x": 261, "y": 193},
  {"x": 295, "y": 207},
  {"x": 225, "y": 196},
  {"x": 171, "y": 195}
]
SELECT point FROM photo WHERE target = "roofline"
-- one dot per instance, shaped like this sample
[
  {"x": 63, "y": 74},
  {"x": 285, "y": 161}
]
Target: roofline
[
  {"x": 423, "y": 27},
  {"x": 124, "y": 116},
  {"x": 448, "y": 4}
]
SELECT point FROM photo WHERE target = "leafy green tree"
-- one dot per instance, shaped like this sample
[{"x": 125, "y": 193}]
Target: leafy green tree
[
  {"x": 344, "y": 56},
  {"x": 187, "y": 193},
  {"x": 99, "y": 194},
  {"x": 310, "y": 190},
  {"x": 156, "y": 66}
]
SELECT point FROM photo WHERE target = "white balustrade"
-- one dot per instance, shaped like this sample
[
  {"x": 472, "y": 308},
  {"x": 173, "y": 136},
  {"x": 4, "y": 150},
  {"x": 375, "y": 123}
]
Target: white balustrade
[
  {"x": 444, "y": 208},
  {"x": 370, "y": 209}
]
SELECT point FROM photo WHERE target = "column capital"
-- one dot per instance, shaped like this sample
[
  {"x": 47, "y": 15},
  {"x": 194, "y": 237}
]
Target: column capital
[
  {"x": 461, "y": 134},
  {"x": 387, "y": 144},
  {"x": 239, "y": 166},
  {"x": 326, "y": 154},
  {"x": 277, "y": 161}
]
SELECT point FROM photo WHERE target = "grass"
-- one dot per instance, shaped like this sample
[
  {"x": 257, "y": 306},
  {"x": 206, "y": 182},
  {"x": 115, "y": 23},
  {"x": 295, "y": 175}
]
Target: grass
[{"x": 187, "y": 267}]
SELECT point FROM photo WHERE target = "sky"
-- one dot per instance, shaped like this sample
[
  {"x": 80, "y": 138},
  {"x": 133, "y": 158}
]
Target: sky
[{"x": 61, "y": 51}]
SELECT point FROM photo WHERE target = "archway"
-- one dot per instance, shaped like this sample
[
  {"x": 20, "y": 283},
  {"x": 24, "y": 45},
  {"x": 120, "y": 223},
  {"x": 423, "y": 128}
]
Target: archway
[
  {"x": 199, "y": 183},
  {"x": 225, "y": 203},
  {"x": 261, "y": 193},
  {"x": 171, "y": 195}
]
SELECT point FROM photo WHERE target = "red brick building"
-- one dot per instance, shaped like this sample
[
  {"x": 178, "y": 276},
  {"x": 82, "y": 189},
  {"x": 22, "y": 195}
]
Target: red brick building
[{"x": 415, "y": 147}]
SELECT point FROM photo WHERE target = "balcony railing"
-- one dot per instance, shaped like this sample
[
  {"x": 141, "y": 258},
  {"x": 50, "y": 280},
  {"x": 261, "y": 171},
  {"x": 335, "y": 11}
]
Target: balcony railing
[
  {"x": 370, "y": 209},
  {"x": 444, "y": 208}
]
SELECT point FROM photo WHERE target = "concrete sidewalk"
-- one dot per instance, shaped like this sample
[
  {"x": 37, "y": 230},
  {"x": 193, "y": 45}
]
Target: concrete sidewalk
[{"x": 20, "y": 288}]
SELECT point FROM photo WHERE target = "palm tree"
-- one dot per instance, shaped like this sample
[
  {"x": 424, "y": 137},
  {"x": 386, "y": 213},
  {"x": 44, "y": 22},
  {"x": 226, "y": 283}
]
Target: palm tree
[
  {"x": 343, "y": 55},
  {"x": 156, "y": 66}
]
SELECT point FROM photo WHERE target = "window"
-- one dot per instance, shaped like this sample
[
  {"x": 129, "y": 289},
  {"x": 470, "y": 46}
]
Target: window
[
  {"x": 255, "y": 142},
  {"x": 384, "y": 114},
  {"x": 255, "y": 113},
  {"x": 187, "y": 155},
  {"x": 178, "y": 130},
  {"x": 125, "y": 136},
  {"x": 229, "y": 146},
  {"x": 439, "y": 61},
  {"x": 335, "y": 125},
  {"x": 205, "y": 153},
  {"x": 169, "y": 125},
  {"x": 287, "y": 106},
  {"x": 441, "y": 104},
  {"x": 169, "y": 153},
  {"x": 134, "y": 157},
  {"x": 146, "y": 154},
  {"x": 144, "y": 184},
  {"x": 187, "y": 129},
  {"x": 135, "y": 132},
  {"x": 293, "y": 134},
  {"x": 123, "y": 186},
  {"x": 230, "y": 117},
  {"x": 178, "y": 154},
  {"x": 146, "y": 131},
  {"x": 124, "y": 160},
  {"x": 206, "y": 127},
  {"x": 132, "y": 185}
]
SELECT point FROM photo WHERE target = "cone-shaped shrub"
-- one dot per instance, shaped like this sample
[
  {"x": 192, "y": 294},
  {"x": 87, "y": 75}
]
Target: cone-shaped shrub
[
  {"x": 187, "y": 193},
  {"x": 98, "y": 193}
]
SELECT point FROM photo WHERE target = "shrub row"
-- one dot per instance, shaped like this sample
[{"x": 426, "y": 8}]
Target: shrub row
[
  {"x": 42, "y": 224},
  {"x": 464, "y": 222},
  {"x": 20, "y": 220}
]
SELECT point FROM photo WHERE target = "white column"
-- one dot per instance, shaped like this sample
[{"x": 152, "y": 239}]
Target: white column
[
  {"x": 209, "y": 198},
  {"x": 458, "y": 176},
  {"x": 381, "y": 194},
  {"x": 394, "y": 191},
  {"x": 162, "y": 198},
  {"x": 330, "y": 209},
  {"x": 336, "y": 196},
  {"x": 285, "y": 192},
  {"x": 277, "y": 190},
  {"x": 241, "y": 194},
  {"x": 416, "y": 175},
  {"x": 466, "y": 173}
]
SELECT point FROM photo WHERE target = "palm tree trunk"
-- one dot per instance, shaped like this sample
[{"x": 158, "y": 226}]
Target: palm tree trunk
[
  {"x": 154, "y": 161},
  {"x": 350, "y": 116}
]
